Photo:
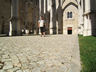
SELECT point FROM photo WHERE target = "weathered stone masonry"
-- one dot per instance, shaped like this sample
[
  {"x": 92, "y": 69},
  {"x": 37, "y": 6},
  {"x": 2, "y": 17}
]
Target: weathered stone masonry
[{"x": 19, "y": 17}]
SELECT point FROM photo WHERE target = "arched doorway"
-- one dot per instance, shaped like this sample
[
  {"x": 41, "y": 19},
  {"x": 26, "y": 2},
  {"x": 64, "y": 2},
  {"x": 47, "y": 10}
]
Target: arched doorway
[{"x": 29, "y": 12}]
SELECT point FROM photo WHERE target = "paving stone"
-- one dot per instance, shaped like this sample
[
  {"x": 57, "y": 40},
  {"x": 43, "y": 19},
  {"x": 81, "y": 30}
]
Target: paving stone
[
  {"x": 8, "y": 65},
  {"x": 17, "y": 65},
  {"x": 19, "y": 71},
  {"x": 15, "y": 60},
  {"x": 36, "y": 70},
  {"x": 26, "y": 70},
  {"x": 5, "y": 60},
  {"x": 13, "y": 69},
  {"x": 1, "y": 53},
  {"x": 1, "y": 66},
  {"x": 5, "y": 56},
  {"x": 2, "y": 71},
  {"x": 24, "y": 65},
  {"x": 32, "y": 65},
  {"x": 63, "y": 69},
  {"x": 52, "y": 69},
  {"x": 37, "y": 54}
]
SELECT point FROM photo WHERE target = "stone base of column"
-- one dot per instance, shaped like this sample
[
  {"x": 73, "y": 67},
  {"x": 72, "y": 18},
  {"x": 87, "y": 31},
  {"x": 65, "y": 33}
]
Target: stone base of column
[
  {"x": 87, "y": 32},
  {"x": 51, "y": 31},
  {"x": 10, "y": 31}
]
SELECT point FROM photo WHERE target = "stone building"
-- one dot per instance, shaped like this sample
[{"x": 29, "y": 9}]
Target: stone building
[
  {"x": 87, "y": 17},
  {"x": 21, "y": 17},
  {"x": 70, "y": 17},
  {"x": 4, "y": 16}
]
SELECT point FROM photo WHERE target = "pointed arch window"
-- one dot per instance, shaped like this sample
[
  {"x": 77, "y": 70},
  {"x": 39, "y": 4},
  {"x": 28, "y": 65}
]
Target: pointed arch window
[{"x": 69, "y": 14}]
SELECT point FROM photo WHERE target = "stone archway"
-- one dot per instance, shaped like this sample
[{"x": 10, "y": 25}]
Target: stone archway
[
  {"x": 70, "y": 18},
  {"x": 28, "y": 15}
]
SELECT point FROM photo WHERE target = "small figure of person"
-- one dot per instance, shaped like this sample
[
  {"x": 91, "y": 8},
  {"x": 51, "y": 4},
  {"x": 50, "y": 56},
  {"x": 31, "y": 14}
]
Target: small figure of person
[{"x": 41, "y": 25}]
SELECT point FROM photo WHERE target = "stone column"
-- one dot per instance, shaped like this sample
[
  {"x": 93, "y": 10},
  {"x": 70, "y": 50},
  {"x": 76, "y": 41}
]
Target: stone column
[
  {"x": 60, "y": 18},
  {"x": 54, "y": 16},
  {"x": 18, "y": 17},
  {"x": 80, "y": 17},
  {"x": 87, "y": 26},
  {"x": 51, "y": 18},
  {"x": 57, "y": 27},
  {"x": 42, "y": 7},
  {"x": 47, "y": 16},
  {"x": 39, "y": 8},
  {"x": 10, "y": 23},
  {"x": 87, "y": 6},
  {"x": 87, "y": 19},
  {"x": 39, "y": 12},
  {"x": 45, "y": 6},
  {"x": 48, "y": 5},
  {"x": 15, "y": 16}
]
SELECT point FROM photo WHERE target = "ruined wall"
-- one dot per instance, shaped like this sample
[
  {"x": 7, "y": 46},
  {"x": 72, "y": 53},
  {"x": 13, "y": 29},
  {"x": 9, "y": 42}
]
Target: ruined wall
[
  {"x": 28, "y": 15},
  {"x": 5, "y": 11}
]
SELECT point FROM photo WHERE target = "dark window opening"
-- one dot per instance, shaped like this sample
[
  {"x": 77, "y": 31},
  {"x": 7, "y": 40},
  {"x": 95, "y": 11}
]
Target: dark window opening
[
  {"x": 69, "y": 14},
  {"x": 69, "y": 30}
]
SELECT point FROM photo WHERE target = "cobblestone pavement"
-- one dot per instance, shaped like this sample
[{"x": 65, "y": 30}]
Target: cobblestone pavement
[{"x": 54, "y": 53}]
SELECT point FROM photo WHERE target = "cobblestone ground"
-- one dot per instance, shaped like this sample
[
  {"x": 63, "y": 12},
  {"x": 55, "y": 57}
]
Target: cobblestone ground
[{"x": 37, "y": 54}]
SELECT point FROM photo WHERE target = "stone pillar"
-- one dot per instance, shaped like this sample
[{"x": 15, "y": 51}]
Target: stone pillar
[
  {"x": 51, "y": 18},
  {"x": 10, "y": 23},
  {"x": 57, "y": 24},
  {"x": 39, "y": 12},
  {"x": 54, "y": 16},
  {"x": 47, "y": 16},
  {"x": 39, "y": 8},
  {"x": 80, "y": 17},
  {"x": 57, "y": 27},
  {"x": 87, "y": 6},
  {"x": 45, "y": 6},
  {"x": 87, "y": 26},
  {"x": 42, "y": 7},
  {"x": 48, "y": 5},
  {"x": 87, "y": 19},
  {"x": 60, "y": 18},
  {"x": 18, "y": 17},
  {"x": 14, "y": 15}
]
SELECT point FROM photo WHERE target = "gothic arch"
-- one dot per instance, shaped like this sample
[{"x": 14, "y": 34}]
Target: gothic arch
[
  {"x": 71, "y": 3},
  {"x": 70, "y": 22}
]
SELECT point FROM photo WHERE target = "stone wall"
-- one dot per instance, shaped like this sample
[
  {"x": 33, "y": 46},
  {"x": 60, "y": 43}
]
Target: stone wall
[
  {"x": 28, "y": 15},
  {"x": 93, "y": 21},
  {"x": 70, "y": 6},
  {"x": 5, "y": 12}
]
